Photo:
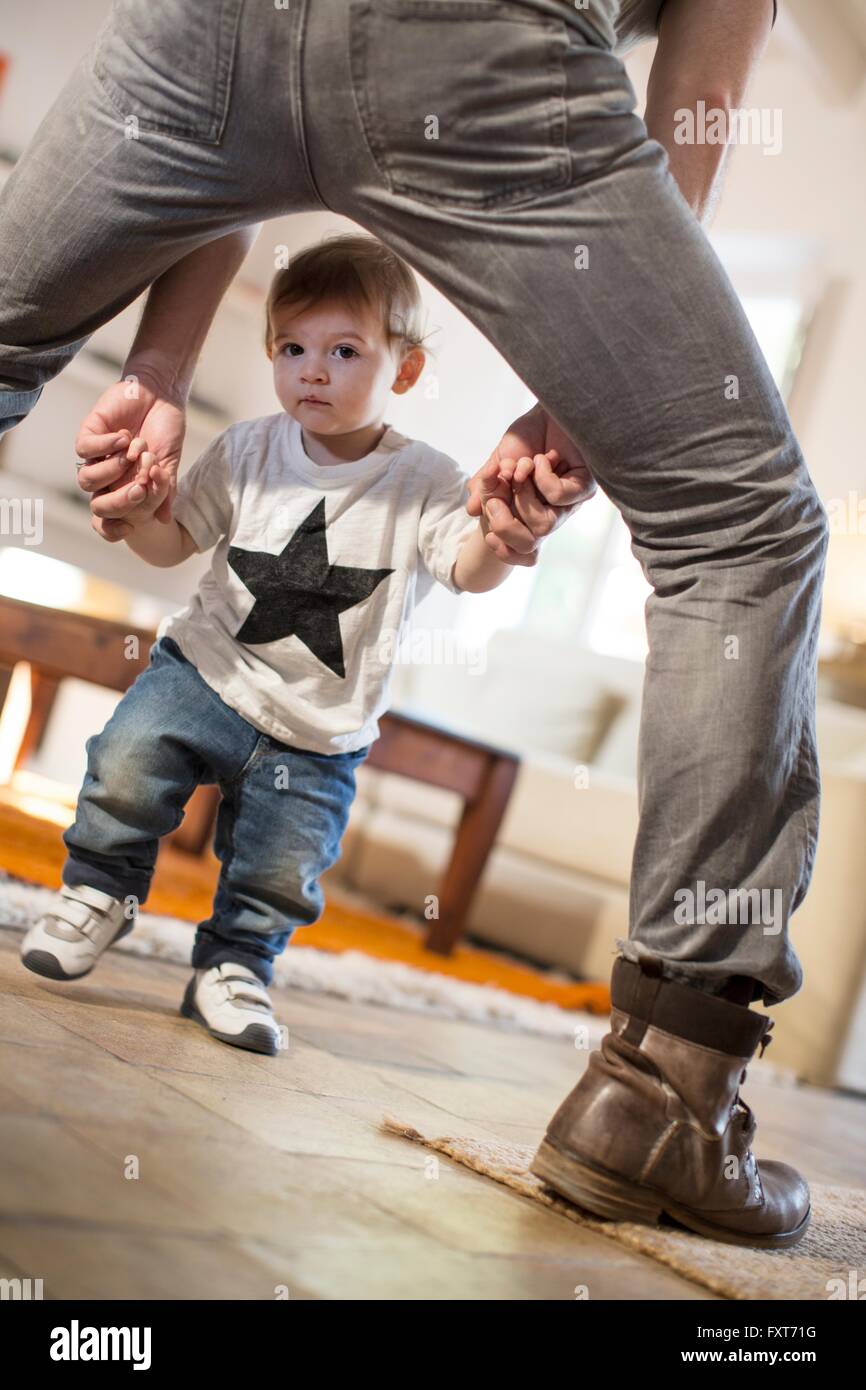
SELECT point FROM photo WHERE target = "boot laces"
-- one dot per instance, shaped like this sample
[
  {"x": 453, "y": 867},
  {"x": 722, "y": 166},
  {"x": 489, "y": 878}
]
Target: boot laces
[
  {"x": 766, "y": 1039},
  {"x": 749, "y": 1161},
  {"x": 747, "y": 1115},
  {"x": 749, "y": 1122}
]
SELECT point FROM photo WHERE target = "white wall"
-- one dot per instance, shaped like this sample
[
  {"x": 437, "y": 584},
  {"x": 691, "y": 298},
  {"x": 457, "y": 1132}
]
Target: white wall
[{"x": 815, "y": 188}]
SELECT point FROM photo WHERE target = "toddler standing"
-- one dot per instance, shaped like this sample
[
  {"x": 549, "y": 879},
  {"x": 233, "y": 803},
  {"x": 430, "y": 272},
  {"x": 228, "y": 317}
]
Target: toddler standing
[{"x": 327, "y": 526}]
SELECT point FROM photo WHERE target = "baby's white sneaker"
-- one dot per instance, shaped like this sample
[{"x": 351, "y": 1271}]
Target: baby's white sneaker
[
  {"x": 233, "y": 1005},
  {"x": 72, "y": 934}
]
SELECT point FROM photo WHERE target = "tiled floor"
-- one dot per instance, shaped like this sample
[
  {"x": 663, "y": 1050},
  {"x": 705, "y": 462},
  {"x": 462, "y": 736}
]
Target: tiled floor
[{"x": 143, "y": 1159}]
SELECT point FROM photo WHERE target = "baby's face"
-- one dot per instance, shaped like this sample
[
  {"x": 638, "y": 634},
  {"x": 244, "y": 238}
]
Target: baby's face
[{"x": 338, "y": 356}]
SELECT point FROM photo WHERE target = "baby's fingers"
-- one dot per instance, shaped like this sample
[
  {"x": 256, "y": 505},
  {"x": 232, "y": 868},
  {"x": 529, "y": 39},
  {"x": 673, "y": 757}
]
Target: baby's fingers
[
  {"x": 525, "y": 468},
  {"x": 157, "y": 476},
  {"x": 491, "y": 480}
]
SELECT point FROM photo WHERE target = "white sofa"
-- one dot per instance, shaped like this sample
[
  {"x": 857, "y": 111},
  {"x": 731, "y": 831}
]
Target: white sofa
[{"x": 556, "y": 885}]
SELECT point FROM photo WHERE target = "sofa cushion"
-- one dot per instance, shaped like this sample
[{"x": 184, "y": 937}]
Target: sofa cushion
[
  {"x": 549, "y": 915},
  {"x": 563, "y": 814},
  {"x": 617, "y": 752},
  {"x": 575, "y": 817},
  {"x": 522, "y": 692}
]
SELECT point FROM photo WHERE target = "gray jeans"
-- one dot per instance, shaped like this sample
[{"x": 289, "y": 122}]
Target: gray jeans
[{"x": 497, "y": 150}]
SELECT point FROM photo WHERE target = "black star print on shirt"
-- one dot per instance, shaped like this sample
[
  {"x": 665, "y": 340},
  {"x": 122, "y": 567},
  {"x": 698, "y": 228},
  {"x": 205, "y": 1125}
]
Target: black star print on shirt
[{"x": 299, "y": 593}]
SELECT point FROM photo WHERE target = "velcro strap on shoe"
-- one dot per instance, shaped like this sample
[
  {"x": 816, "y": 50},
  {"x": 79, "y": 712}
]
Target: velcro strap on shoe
[
  {"x": 245, "y": 989},
  {"x": 84, "y": 893},
  {"x": 72, "y": 913},
  {"x": 243, "y": 983}
]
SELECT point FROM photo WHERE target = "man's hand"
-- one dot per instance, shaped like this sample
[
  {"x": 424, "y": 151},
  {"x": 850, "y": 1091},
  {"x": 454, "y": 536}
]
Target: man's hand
[
  {"x": 493, "y": 485},
  {"x": 150, "y": 403},
  {"x": 532, "y": 482},
  {"x": 128, "y": 418}
]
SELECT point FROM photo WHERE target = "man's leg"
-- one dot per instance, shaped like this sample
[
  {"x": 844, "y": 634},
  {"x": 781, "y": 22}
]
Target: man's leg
[
  {"x": 529, "y": 194},
  {"x": 132, "y": 169}
]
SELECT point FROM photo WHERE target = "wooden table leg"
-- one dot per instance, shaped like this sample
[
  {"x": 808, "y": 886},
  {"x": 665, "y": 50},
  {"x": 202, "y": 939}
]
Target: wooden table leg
[
  {"x": 476, "y": 834},
  {"x": 43, "y": 693}
]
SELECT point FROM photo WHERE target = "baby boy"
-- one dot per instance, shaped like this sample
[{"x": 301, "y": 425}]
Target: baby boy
[{"x": 327, "y": 526}]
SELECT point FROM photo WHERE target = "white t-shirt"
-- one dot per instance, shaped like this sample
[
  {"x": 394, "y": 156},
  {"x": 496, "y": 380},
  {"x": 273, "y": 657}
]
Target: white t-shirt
[{"x": 315, "y": 574}]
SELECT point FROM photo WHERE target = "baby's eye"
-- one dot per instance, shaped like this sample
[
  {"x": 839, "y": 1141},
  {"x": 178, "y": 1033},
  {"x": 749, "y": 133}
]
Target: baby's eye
[
  {"x": 289, "y": 348},
  {"x": 344, "y": 347}
]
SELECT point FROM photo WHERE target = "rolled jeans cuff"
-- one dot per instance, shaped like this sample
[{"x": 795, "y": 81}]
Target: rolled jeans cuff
[{"x": 15, "y": 406}]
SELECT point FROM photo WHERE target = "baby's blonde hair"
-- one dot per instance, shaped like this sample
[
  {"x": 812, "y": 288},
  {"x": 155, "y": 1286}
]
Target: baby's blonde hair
[{"x": 360, "y": 272}]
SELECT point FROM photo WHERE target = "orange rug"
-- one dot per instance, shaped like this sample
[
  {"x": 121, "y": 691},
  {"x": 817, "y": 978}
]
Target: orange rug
[{"x": 31, "y": 848}]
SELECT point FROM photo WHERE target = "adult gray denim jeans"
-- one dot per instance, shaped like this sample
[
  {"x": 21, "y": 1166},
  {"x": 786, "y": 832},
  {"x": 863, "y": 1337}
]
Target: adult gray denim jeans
[{"x": 496, "y": 148}]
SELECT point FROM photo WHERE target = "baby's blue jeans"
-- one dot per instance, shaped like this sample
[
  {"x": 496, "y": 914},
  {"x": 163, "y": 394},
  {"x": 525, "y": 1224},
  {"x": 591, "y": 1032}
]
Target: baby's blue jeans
[{"x": 280, "y": 822}]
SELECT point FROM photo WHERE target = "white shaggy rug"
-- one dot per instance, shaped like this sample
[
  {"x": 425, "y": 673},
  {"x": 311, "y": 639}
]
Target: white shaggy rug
[{"x": 357, "y": 977}]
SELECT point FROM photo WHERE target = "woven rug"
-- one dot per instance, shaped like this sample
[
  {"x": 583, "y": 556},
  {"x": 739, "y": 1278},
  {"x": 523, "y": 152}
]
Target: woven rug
[{"x": 817, "y": 1269}]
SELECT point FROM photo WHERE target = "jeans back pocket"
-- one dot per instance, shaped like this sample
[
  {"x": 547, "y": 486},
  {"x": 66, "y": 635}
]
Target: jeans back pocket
[
  {"x": 166, "y": 65},
  {"x": 462, "y": 102}
]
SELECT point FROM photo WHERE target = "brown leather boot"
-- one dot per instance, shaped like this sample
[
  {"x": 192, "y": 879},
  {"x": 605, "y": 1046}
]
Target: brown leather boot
[{"x": 656, "y": 1124}]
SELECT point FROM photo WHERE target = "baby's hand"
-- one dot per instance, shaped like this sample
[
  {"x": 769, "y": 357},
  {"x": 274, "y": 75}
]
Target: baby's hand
[
  {"x": 156, "y": 484},
  {"x": 515, "y": 472}
]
